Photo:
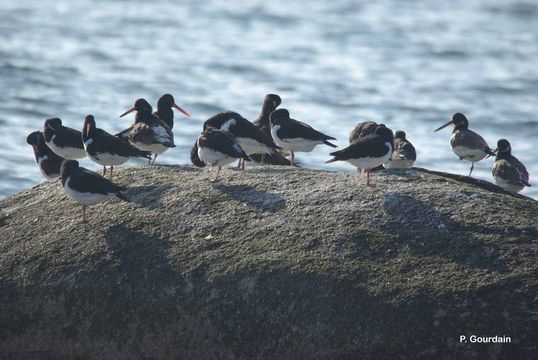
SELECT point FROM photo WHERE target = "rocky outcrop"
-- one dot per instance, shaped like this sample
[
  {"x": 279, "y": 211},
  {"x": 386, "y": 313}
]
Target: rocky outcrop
[{"x": 270, "y": 263}]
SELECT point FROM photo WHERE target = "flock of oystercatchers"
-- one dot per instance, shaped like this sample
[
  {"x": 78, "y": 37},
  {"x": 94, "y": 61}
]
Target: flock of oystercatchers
[{"x": 227, "y": 137}]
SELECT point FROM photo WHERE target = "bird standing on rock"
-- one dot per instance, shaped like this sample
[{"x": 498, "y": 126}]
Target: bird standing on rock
[
  {"x": 465, "y": 143},
  {"x": 48, "y": 162},
  {"x": 149, "y": 133},
  {"x": 508, "y": 172},
  {"x": 106, "y": 149},
  {"x": 64, "y": 141},
  {"x": 368, "y": 152},
  {"x": 403, "y": 153},
  {"x": 294, "y": 135},
  {"x": 251, "y": 139},
  {"x": 219, "y": 148},
  {"x": 86, "y": 187},
  {"x": 270, "y": 103}
]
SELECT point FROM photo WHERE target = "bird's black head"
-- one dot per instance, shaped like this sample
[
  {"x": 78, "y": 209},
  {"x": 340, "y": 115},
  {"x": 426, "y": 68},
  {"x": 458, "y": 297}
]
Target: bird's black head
[
  {"x": 141, "y": 106},
  {"x": 165, "y": 101},
  {"x": 460, "y": 121},
  {"x": 53, "y": 123},
  {"x": 385, "y": 133},
  {"x": 68, "y": 166},
  {"x": 278, "y": 116},
  {"x": 399, "y": 134},
  {"x": 89, "y": 127},
  {"x": 34, "y": 138},
  {"x": 503, "y": 148},
  {"x": 271, "y": 102}
]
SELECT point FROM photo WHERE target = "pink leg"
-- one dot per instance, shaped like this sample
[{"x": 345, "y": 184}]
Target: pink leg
[
  {"x": 104, "y": 170},
  {"x": 111, "y": 169},
  {"x": 292, "y": 159}
]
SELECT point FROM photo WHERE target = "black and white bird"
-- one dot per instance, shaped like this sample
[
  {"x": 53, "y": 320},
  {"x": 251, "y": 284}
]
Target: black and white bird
[
  {"x": 465, "y": 143},
  {"x": 368, "y": 152},
  {"x": 403, "y": 153},
  {"x": 251, "y": 139},
  {"x": 219, "y": 148},
  {"x": 87, "y": 187},
  {"x": 270, "y": 103},
  {"x": 106, "y": 149},
  {"x": 165, "y": 104},
  {"x": 508, "y": 172},
  {"x": 48, "y": 162},
  {"x": 149, "y": 133},
  {"x": 294, "y": 135},
  {"x": 64, "y": 141}
]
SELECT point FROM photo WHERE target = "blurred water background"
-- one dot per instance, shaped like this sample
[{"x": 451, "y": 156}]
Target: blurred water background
[{"x": 408, "y": 64}]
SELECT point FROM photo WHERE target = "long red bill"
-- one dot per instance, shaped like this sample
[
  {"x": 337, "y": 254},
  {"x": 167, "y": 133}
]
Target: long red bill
[
  {"x": 444, "y": 126},
  {"x": 128, "y": 111},
  {"x": 180, "y": 109}
]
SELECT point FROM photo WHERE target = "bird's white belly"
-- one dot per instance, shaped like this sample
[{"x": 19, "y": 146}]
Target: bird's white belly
[
  {"x": 369, "y": 162},
  {"x": 108, "y": 159},
  {"x": 506, "y": 185},
  {"x": 214, "y": 158},
  {"x": 67, "y": 152},
  {"x": 251, "y": 146},
  {"x": 153, "y": 148},
  {"x": 85, "y": 198},
  {"x": 398, "y": 164},
  {"x": 468, "y": 154},
  {"x": 294, "y": 144}
]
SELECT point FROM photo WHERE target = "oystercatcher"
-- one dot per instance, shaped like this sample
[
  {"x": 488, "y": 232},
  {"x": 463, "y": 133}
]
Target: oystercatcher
[
  {"x": 106, "y": 149},
  {"x": 508, "y": 172},
  {"x": 403, "y": 153},
  {"x": 149, "y": 133},
  {"x": 165, "y": 112},
  {"x": 48, "y": 162},
  {"x": 86, "y": 187},
  {"x": 251, "y": 139},
  {"x": 219, "y": 148},
  {"x": 64, "y": 141},
  {"x": 465, "y": 143},
  {"x": 270, "y": 103},
  {"x": 368, "y": 152},
  {"x": 294, "y": 135}
]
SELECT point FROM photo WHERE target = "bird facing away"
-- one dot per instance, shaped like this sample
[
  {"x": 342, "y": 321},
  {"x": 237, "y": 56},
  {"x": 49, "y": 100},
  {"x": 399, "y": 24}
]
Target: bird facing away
[
  {"x": 47, "y": 161},
  {"x": 270, "y": 103},
  {"x": 86, "y": 187},
  {"x": 106, "y": 149},
  {"x": 219, "y": 148},
  {"x": 165, "y": 112},
  {"x": 149, "y": 133},
  {"x": 251, "y": 139},
  {"x": 403, "y": 153},
  {"x": 368, "y": 152},
  {"x": 508, "y": 172},
  {"x": 465, "y": 143},
  {"x": 64, "y": 141},
  {"x": 294, "y": 135}
]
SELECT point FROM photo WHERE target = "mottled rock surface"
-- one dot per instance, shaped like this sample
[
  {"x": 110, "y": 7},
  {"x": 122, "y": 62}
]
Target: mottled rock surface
[{"x": 270, "y": 263}]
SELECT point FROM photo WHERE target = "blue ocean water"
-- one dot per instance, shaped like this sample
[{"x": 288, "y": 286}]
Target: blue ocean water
[{"x": 410, "y": 65}]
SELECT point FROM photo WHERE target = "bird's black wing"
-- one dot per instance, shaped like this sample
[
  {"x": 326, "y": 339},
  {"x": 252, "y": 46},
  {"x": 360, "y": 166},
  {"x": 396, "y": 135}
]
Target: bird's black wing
[
  {"x": 369, "y": 146},
  {"x": 293, "y": 129},
  {"x": 85, "y": 180},
  {"x": 226, "y": 144},
  {"x": 404, "y": 150},
  {"x": 67, "y": 137},
  {"x": 114, "y": 145}
]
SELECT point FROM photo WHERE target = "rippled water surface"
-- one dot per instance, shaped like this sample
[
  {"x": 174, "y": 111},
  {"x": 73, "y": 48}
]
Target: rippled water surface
[{"x": 407, "y": 64}]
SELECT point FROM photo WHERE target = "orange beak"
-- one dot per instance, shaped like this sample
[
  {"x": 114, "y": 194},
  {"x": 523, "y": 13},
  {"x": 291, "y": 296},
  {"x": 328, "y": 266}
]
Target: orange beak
[
  {"x": 128, "y": 111},
  {"x": 444, "y": 126},
  {"x": 176, "y": 106}
]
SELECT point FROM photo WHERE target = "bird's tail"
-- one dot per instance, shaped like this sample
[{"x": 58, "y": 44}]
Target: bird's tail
[
  {"x": 120, "y": 196},
  {"x": 329, "y": 143},
  {"x": 331, "y": 160}
]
